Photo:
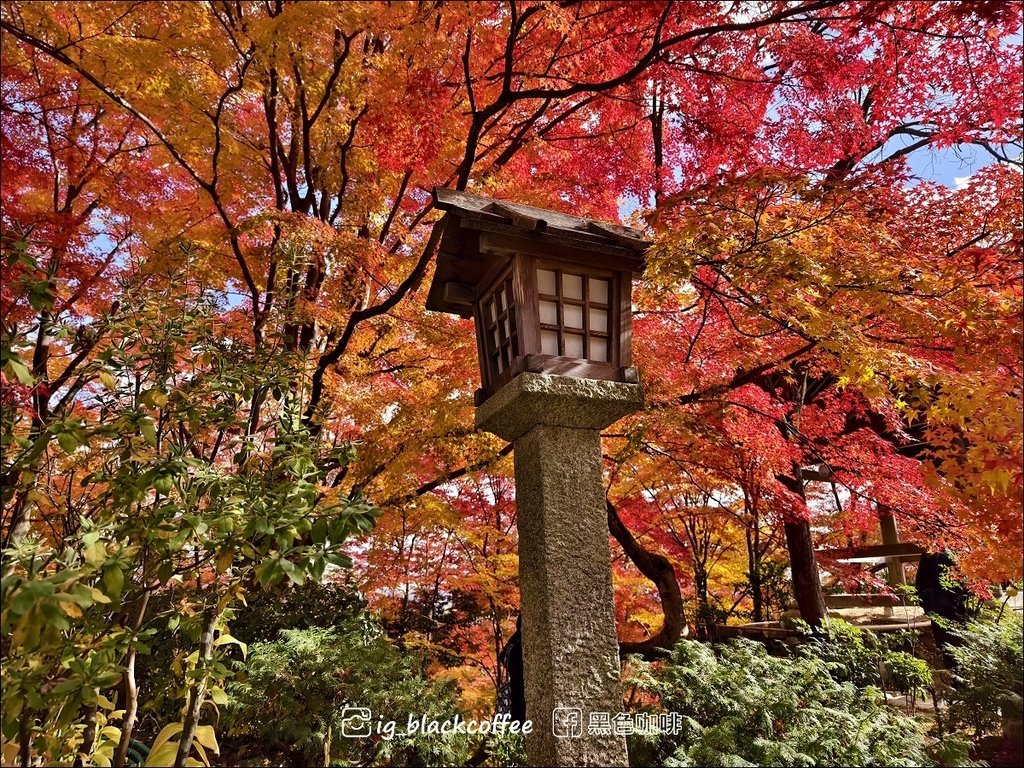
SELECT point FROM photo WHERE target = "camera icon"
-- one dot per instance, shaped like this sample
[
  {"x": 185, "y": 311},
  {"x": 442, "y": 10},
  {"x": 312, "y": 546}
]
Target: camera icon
[
  {"x": 356, "y": 722},
  {"x": 567, "y": 722}
]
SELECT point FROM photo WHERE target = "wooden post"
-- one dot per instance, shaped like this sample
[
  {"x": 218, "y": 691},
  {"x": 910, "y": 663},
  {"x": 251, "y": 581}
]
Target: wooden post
[{"x": 890, "y": 535}]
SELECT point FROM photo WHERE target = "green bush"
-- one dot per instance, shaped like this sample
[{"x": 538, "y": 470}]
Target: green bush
[
  {"x": 988, "y": 682},
  {"x": 851, "y": 654},
  {"x": 743, "y": 707},
  {"x": 288, "y": 708},
  {"x": 507, "y": 750},
  {"x": 260, "y": 620},
  {"x": 907, "y": 673},
  {"x": 297, "y": 606}
]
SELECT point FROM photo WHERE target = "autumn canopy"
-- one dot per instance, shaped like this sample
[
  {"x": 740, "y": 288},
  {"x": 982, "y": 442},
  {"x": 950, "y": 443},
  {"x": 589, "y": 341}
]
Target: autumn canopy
[{"x": 219, "y": 374}]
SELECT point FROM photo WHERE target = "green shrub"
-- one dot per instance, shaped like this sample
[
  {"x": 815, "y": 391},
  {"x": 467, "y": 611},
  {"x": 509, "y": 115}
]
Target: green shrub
[
  {"x": 741, "y": 706},
  {"x": 289, "y": 706},
  {"x": 267, "y": 612},
  {"x": 907, "y": 673},
  {"x": 851, "y": 654},
  {"x": 988, "y": 683},
  {"x": 507, "y": 750}
]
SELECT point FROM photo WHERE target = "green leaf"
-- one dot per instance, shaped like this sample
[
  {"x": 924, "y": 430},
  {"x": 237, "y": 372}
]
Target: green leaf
[
  {"x": 19, "y": 370},
  {"x": 292, "y": 571},
  {"x": 164, "y": 484},
  {"x": 95, "y": 553},
  {"x": 40, "y": 296},
  {"x": 148, "y": 430},
  {"x": 268, "y": 572},
  {"x": 107, "y": 380},
  {"x": 113, "y": 579},
  {"x": 319, "y": 531},
  {"x": 220, "y": 698},
  {"x": 229, "y": 640},
  {"x": 165, "y": 571},
  {"x": 22, "y": 602},
  {"x": 67, "y": 442},
  {"x": 316, "y": 568}
]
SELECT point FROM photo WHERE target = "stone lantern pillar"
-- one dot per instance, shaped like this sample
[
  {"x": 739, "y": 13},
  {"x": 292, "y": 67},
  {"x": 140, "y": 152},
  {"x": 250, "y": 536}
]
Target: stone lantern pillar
[{"x": 570, "y": 647}]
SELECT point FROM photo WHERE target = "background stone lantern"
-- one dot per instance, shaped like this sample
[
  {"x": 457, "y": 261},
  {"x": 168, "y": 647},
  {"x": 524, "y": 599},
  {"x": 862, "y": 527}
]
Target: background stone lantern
[{"x": 550, "y": 294}]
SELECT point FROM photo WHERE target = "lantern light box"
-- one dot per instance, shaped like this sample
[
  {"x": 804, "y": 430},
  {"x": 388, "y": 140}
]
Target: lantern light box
[{"x": 549, "y": 292}]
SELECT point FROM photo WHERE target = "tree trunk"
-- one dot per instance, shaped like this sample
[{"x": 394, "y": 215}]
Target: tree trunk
[
  {"x": 802, "y": 564},
  {"x": 88, "y": 736},
  {"x": 131, "y": 706},
  {"x": 25, "y": 738},
  {"x": 658, "y": 569},
  {"x": 754, "y": 574},
  {"x": 131, "y": 691},
  {"x": 700, "y": 586},
  {"x": 804, "y": 569},
  {"x": 198, "y": 692}
]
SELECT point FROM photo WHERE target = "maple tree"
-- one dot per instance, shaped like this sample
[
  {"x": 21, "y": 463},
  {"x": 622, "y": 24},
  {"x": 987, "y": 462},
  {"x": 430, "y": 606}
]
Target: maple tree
[{"x": 809, "y": 309}]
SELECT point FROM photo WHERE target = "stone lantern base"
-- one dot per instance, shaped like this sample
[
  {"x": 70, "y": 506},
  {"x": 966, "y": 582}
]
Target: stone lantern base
[{"x": 570, "y": 647}]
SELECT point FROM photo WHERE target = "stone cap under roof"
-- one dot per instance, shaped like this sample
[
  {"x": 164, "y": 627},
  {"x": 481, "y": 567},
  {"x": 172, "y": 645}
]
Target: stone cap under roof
[{"x": 460, "y": 258}]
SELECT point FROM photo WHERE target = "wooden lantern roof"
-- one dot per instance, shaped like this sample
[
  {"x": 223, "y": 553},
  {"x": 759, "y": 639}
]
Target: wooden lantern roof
[{"x": 478, "y": 230}]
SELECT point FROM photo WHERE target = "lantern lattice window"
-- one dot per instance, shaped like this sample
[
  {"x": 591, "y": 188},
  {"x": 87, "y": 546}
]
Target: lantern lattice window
[
  {"x": 497, "y": 317},
  {"x": 574, "y": 314}
]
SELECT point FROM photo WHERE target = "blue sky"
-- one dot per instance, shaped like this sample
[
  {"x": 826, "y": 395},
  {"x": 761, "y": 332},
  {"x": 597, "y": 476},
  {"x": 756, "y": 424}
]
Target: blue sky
[{"x": 949, "y": 166}]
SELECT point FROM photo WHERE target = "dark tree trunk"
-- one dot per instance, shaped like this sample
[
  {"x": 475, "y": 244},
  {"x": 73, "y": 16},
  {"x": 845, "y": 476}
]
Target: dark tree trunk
[
  {"x": 511, "y": 658},
  {"x": 802, "y": 564},
  {"x": 804, "y": 569},
  {"x": 703, "y": 620},
  {"x": 658, "y": 569},
  {"x": 754, "y": 573},
  {"x": 88, "y": 736},
  {"x": 25, "y": 738}
]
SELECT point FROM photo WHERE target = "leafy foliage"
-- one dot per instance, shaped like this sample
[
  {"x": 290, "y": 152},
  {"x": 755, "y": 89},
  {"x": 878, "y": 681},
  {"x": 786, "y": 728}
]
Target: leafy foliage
[
  {"x": 741, "y": 706},
  {"x": 151, "y": 512},
  {"x": 291, "y": 701},
  {"x": 867, "y": 659},
  {"x": 852, "y": 655},
  {"x": 907, "y": 673},
  {"x": 327, "y": 604},
  {"x": 988, "y": 679},
  {"x": 211, "y": 311}
]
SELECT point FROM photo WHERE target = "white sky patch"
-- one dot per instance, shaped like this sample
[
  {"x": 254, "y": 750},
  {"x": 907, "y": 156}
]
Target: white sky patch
[{"x": 744, "y": 11}]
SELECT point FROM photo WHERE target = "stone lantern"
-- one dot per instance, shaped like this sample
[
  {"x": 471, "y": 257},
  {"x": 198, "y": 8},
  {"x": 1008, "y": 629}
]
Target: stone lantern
[
  {"x": 550, "y": 293},
  {"x": 550, "y": 296}
]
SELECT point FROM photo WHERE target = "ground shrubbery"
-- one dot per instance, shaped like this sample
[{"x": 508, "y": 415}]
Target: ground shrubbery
[
  {"x": 823, "y": 705},
  {"x": 290, "y": 703},
  {"x": 314, "y": 649},
  {"x": 986, "y": 689},
  {"x": 744, "y": 707},
  {"x": 988, "y": 682},
  {"x": 866, "y": 658}
]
